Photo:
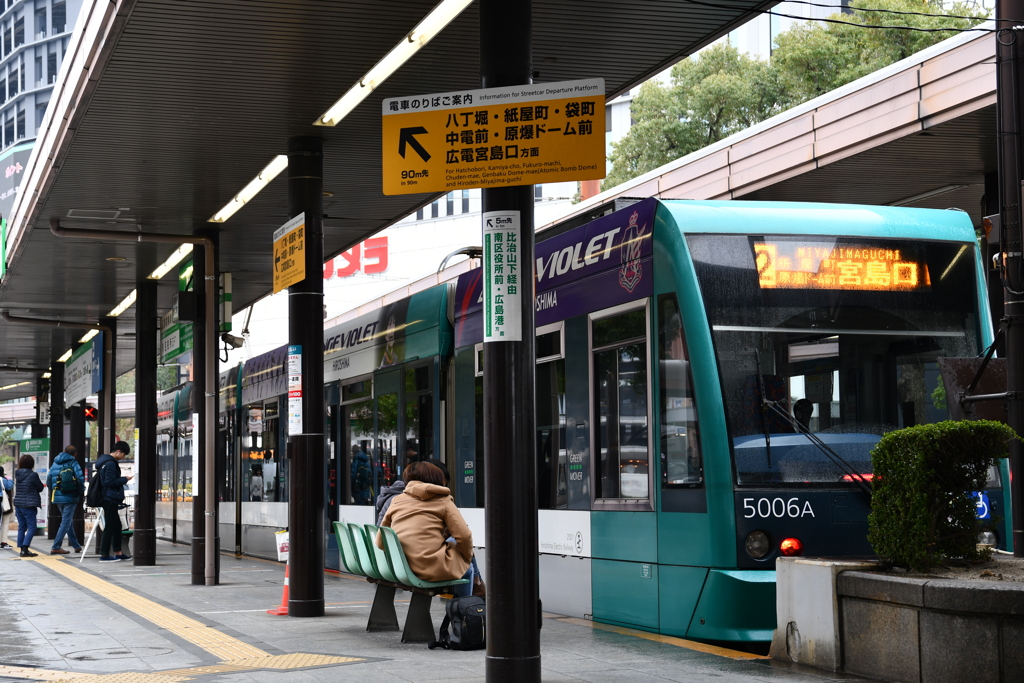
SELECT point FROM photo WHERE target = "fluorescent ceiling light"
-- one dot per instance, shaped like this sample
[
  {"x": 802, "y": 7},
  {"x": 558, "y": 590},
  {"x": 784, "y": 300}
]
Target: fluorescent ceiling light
[
  {"x": 432, "y": 24},
  {"x": 65, "y": 357},
  {"x": 124, "y": 305},
  {"x": 11, "y": 386},
  {"x": 174, "y": 259},
  {"x": 278, "y": 164},
  {"x": 46, "y": 375},
  {"x": 88, "y": 335}
]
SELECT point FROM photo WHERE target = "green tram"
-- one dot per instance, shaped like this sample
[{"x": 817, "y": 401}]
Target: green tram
[{"x": 711, "y": 379}]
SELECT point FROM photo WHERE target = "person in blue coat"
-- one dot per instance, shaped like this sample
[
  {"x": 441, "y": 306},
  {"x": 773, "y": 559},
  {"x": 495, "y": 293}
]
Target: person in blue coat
[
  {"x": 66, "y": 472},
  {"x": 109, "y": 474},
  {"x": 27, "y": 487}
]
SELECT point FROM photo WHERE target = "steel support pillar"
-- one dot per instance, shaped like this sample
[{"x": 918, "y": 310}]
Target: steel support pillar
[
  {"x": 1010, "y": 118},
  {"x": 106, "y": 425},
  {"x": 145, "y": 419},
  {"x": 305, "y": 330},
  {"x": 513, "y": 594},
  {"x": 203, "y": 354}
]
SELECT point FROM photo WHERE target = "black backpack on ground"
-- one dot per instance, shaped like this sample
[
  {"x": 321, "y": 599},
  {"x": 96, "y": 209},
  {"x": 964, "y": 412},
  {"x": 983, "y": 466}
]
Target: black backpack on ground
[
  {"x": 467, "y": 619},
  {"x": 94, "y": 497}
]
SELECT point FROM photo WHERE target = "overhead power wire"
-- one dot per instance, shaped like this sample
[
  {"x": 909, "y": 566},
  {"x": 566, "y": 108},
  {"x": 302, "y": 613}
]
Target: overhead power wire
[
  {"x": 889, "y": 11},
  {"x": 950, "y": 29}
]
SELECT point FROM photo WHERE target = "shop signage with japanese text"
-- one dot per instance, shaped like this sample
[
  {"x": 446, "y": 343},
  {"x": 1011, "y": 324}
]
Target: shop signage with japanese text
[{"x": 495, "y": 137}]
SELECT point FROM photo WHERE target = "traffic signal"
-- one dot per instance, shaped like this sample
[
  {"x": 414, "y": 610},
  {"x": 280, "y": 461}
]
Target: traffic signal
[{"x": 91, "y": 413}]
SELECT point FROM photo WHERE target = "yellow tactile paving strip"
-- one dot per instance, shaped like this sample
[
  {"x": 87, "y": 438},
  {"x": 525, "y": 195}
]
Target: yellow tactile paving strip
[
  {"x": 222, "y": 646},
  {"x": 668, "y": 640},
  {"x": 234, "y": 654}
]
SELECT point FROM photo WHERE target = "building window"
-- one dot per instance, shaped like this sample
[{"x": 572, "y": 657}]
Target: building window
[
  {"x": 538, "y": 192},
  {"x": 465, "y": 201},
  {"x": 40, "y": 23},
  {"x": 19, "y": 31},
  {"x": 22, "y": 69},
  {"x": 419, "y": 214},
  {"x": 8, "y": 132},
  {"x": 433, "y": 209},
  {"x": 40, "y": 111},
  {"x": 51, "y": 67},
  {"x": 3, "y": 93},
  {"x": 21, "y": 124},
  {"x": 39, "y": 69},
  {"x": 449, "y": 202},
  {"x": 59, "y": 16},
  {"x": 12, "y": 85},
  {"x": 7, "y": 40}
]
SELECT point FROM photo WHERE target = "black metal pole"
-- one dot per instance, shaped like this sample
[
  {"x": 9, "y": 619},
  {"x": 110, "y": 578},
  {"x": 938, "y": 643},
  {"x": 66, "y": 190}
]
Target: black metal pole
[
  {"x": 513, "y": 594},
  {"x": 145, "y": 419},
  {"x": 76, "y": 437},
  {"x": 106, "y": 426},
  {"x": 305, "y": 330},
  {"x": 1009, "y": 90}
]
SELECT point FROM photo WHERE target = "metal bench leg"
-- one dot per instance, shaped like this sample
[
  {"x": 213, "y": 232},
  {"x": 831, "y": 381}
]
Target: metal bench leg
[
  {"x": 382, "y": 614},
  {"x": 419, "y": 628}
]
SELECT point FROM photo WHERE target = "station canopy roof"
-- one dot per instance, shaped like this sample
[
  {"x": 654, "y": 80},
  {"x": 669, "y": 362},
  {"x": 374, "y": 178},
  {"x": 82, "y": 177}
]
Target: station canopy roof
[{"x": 164, "y": 110}]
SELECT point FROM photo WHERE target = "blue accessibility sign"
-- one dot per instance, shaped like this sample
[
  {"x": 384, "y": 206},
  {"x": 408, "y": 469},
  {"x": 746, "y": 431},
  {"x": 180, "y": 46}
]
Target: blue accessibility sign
[{"x": 982, "y": 503}]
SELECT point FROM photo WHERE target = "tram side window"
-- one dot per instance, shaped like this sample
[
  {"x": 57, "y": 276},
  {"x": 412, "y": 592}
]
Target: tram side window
[
  {"x": 419, "y": 414},
  {"x": 552, "y": 474},
  {"x": 266, "y": 479},
  {"x": 620, "y": 395},
  {"x": 358, "y": 427},
  {"x": 682, "y": 465}
]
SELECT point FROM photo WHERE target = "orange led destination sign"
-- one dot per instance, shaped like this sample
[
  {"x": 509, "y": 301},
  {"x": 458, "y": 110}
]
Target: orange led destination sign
[{"x": 809, "y": 265}]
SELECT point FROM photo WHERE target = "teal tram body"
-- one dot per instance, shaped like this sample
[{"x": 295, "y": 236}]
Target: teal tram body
[{"x": 711, "y": 379}]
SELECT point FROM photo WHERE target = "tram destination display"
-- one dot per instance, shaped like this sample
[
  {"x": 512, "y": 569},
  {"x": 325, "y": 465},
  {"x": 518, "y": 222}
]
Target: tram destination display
[
  {"x": 828, "y": 265},
  {"x": 494, "y": 137}
]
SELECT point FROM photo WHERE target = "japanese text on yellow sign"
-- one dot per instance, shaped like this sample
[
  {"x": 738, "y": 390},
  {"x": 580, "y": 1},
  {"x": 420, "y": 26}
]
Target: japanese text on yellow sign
[
  {"x": 796, "y": 265},
  {"x": 497, "y": 137},
  {"x": 290, "y": 253}
]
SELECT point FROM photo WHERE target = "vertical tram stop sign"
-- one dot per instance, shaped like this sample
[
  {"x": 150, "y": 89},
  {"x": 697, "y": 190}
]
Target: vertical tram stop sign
[{"x": 494, "y": 137}]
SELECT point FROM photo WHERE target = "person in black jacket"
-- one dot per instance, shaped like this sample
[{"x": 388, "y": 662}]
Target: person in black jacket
[
  {"x": 27, "y": 487},
  {"x": 109, "y": 475}
]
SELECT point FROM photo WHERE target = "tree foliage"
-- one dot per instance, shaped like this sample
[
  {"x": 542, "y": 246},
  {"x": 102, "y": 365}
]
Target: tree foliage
[{"x": 719, "y": 91}]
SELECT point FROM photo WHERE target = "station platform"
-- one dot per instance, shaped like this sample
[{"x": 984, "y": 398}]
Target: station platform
[{"x": 61, "y": 620}]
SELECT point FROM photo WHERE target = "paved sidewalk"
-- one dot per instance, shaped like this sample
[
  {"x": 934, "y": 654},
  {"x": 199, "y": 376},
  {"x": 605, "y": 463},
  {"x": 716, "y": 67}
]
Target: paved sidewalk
[{"x": 117, "y": 623}]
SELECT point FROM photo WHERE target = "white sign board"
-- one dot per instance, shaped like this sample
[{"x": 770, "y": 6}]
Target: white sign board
[
  {"x": 294, "y": 389},
  {"x": 503, "y": 277},
  {"x": 83, "y": 373}
]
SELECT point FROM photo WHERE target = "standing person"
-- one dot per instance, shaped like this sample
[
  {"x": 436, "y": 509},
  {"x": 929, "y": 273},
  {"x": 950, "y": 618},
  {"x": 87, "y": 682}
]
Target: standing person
[
  {"x": 256, "y": 484},
  {"x": 5, "y": 516},
  {"x": 66, "y": 485},
  {"x": 361, "y": 475},
  {"x": 109, "y": 473},
  {"x": 27, "y": 487}
]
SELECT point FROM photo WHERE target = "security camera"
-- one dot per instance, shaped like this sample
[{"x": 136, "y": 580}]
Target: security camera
[{"x": 232, "y": 341}]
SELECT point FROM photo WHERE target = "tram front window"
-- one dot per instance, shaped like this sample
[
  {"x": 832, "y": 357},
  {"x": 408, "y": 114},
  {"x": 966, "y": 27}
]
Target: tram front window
[{"x": 840, "y": 336}]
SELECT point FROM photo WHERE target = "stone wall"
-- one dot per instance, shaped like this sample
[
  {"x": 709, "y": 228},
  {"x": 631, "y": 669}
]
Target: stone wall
[{"x": 931, "y": 630}]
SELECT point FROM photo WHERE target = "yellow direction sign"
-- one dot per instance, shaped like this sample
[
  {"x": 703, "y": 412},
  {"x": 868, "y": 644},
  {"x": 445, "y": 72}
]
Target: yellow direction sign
[
  {"x": 290, "y": 253},
  {"x": 520, "y": 135}
]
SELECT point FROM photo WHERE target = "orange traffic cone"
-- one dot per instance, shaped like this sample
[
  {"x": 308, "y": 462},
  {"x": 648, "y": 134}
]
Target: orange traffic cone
[{"x": 282, "y": 611}]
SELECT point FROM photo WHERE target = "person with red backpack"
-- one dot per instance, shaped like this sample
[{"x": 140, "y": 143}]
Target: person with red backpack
[{"x": 66, "y": 486}]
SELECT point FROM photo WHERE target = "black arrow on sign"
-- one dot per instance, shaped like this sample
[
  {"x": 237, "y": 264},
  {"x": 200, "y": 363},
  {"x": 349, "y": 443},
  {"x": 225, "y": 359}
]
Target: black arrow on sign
[{"x": 407, "y": 136}]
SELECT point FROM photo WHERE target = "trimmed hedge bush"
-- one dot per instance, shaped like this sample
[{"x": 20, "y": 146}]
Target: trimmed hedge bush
[{"x": 921, "y": 508}]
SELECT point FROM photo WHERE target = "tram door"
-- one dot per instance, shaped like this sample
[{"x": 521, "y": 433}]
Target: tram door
[{"x": 386, "y": 465}]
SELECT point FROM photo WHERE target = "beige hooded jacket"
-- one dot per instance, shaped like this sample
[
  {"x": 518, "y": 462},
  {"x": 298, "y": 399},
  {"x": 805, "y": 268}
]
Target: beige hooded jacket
[{"x": 423, "y": 516}]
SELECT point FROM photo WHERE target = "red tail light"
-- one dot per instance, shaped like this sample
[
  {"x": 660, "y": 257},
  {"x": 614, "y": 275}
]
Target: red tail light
[{"x": 791, "y": 547}]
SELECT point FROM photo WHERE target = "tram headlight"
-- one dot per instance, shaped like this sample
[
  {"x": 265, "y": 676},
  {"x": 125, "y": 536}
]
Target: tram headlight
[
  {"x": 791, "y": 547},
  {"x": 758, "y": 544}
]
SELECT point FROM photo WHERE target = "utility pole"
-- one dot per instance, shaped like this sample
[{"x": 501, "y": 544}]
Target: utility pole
[
  {"x": 513, "y": 591},
  {"x": 1010, "y": 118}
]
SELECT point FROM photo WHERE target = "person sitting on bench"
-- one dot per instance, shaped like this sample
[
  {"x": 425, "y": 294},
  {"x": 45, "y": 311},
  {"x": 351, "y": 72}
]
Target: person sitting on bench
[{"x": 436, "y": 539}]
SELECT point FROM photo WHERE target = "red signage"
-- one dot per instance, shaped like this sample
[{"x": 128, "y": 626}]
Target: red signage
[{"x": 370, "y": 257}]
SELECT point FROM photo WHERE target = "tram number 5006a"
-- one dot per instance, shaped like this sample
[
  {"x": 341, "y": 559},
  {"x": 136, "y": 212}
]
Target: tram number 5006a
[{"x": 776, "y": 507}]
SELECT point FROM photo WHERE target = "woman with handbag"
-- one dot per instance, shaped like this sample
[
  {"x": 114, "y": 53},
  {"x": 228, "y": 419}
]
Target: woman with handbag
[{"x": 6, "y": 507}]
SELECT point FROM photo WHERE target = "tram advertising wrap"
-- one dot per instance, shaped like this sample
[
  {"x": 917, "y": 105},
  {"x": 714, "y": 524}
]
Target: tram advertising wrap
[{"x": 665, "y": 493}]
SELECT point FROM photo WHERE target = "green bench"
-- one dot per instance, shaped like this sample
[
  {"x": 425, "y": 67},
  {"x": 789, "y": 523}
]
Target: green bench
[{"x": 389, "y": 570}]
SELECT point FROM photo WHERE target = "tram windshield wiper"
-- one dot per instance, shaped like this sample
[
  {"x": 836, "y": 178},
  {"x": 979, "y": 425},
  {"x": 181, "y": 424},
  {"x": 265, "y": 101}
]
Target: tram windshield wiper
[{"x": 856, "y": 477}]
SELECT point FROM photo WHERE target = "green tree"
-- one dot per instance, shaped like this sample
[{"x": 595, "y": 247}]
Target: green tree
[{"x": 718, "y": 92}]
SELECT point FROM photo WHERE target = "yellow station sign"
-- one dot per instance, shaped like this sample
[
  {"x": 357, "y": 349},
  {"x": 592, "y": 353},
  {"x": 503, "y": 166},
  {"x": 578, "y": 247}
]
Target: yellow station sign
[
  {"x": 519, "y": 135},
  {"x": 290, "y": 253}
]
